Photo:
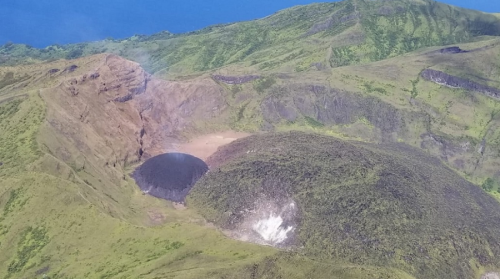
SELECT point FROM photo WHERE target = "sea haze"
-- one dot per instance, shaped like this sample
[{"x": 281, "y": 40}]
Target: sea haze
[{"x": 42, "y": 22}]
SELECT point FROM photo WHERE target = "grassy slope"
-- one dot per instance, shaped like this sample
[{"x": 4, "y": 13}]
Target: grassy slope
[
  {"x": 81, "y": 233},
  {"x": 75, "y": 240},
  {"x": 455, "y": 113},
  {"x": 386, "y": 205},
  {"x": 69, "y": 237},
  {"x": 353, "y": 32},
  {"x": 403, "y": 26},
  {"x": 387, "y": 92},
  {"x": 281, "y": 47},
  {"x": 333, "y": 34}
]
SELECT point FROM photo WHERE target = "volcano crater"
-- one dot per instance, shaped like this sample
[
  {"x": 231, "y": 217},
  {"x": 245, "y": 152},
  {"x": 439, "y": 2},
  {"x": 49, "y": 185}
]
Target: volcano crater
[{"x": 169, "y": 176}]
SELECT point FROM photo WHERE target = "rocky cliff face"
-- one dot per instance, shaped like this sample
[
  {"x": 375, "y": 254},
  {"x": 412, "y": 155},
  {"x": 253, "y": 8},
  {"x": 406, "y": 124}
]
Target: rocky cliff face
[
  {"x": 457, "y": 82},
  {"x": 107, "y": 112},
  {"x": 366, "y": 117},
  {"x": 330, "y": 106},
  {"x": 114, "y": 113}
]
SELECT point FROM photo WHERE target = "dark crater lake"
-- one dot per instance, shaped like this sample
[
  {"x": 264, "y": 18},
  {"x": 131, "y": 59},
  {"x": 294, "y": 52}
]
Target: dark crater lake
[{"x": 170, "y": 176}]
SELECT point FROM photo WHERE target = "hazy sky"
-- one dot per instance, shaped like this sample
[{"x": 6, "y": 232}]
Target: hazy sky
[{"x": 44, "y": 22}]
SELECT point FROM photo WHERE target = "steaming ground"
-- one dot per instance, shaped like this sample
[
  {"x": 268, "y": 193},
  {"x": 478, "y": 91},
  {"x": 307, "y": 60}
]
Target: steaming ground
[
  {"x": 491, "y": 275},
  {"x": 269, "y": 222},
  {"x": 273, "y": 229}
]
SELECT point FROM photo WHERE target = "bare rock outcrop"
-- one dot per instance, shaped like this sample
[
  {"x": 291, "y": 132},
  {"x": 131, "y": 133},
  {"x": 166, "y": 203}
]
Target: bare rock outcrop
[
  {"x": 449, "y": 50},
  {"x": 235, "y": 79},
  {"x": 115, "y": 114},
  {"x": 457, "y": 82},
  {"x": 328, "y": 106},
  {"x": 335, "y": 19}
]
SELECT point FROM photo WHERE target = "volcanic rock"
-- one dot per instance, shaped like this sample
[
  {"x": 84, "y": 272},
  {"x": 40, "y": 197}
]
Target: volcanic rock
[
  {"x": 387, "y": 205},
  {"x": 457, "y": 82}
]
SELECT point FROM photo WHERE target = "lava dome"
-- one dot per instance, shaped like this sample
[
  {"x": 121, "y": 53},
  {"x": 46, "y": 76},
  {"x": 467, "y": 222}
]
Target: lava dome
[{"x": 170, "y": 176}]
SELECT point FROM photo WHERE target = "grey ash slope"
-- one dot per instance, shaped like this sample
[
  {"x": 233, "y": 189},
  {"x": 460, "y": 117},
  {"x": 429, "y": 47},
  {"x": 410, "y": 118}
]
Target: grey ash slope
[{"x": 383, "y": 205}]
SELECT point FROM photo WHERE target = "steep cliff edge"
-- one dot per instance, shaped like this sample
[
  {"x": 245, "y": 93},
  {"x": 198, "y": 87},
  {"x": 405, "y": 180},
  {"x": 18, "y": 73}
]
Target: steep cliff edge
[
  {"x": 127, "y": 115},
  {"x": 107, "y": 114},
  {"x": 445, "y": 79}
]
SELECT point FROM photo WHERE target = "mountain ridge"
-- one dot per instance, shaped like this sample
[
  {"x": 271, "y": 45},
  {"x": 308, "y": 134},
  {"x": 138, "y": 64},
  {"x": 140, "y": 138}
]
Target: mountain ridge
[
  {"x": 73, "y": 130},
  {"x": 354, "y": 20}
]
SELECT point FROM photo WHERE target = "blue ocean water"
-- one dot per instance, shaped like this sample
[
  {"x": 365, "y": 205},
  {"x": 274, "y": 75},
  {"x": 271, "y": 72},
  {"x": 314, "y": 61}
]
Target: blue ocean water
[{"x": 44, "y": 22}]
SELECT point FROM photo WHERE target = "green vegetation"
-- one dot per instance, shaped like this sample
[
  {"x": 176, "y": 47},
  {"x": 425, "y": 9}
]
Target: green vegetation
[
  {"x": 376, "y": 205},
  {"x": 349, "y": 69},
  {"x": 19, "y": 123},
  {"x": 414, "y": 92},
  {"x": 75, "y": 234},
  {"x": 313, "y": 122},
  {"x": 31, "y": 243},
  {"x": 75, "y": 53},
  {"x": 8, "y": 109},
  {"x": 370, "y": 88},
  {"x": 13, "y": 201},
  {"x": 343, "y": 56},
  {"x": 351, "y": 31},
  {"x": 490, "y": 184},
  {"x": 262, "y": 84},
  {"x": 9, "y": 79},
  {"x": 71, "y": 237}
]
